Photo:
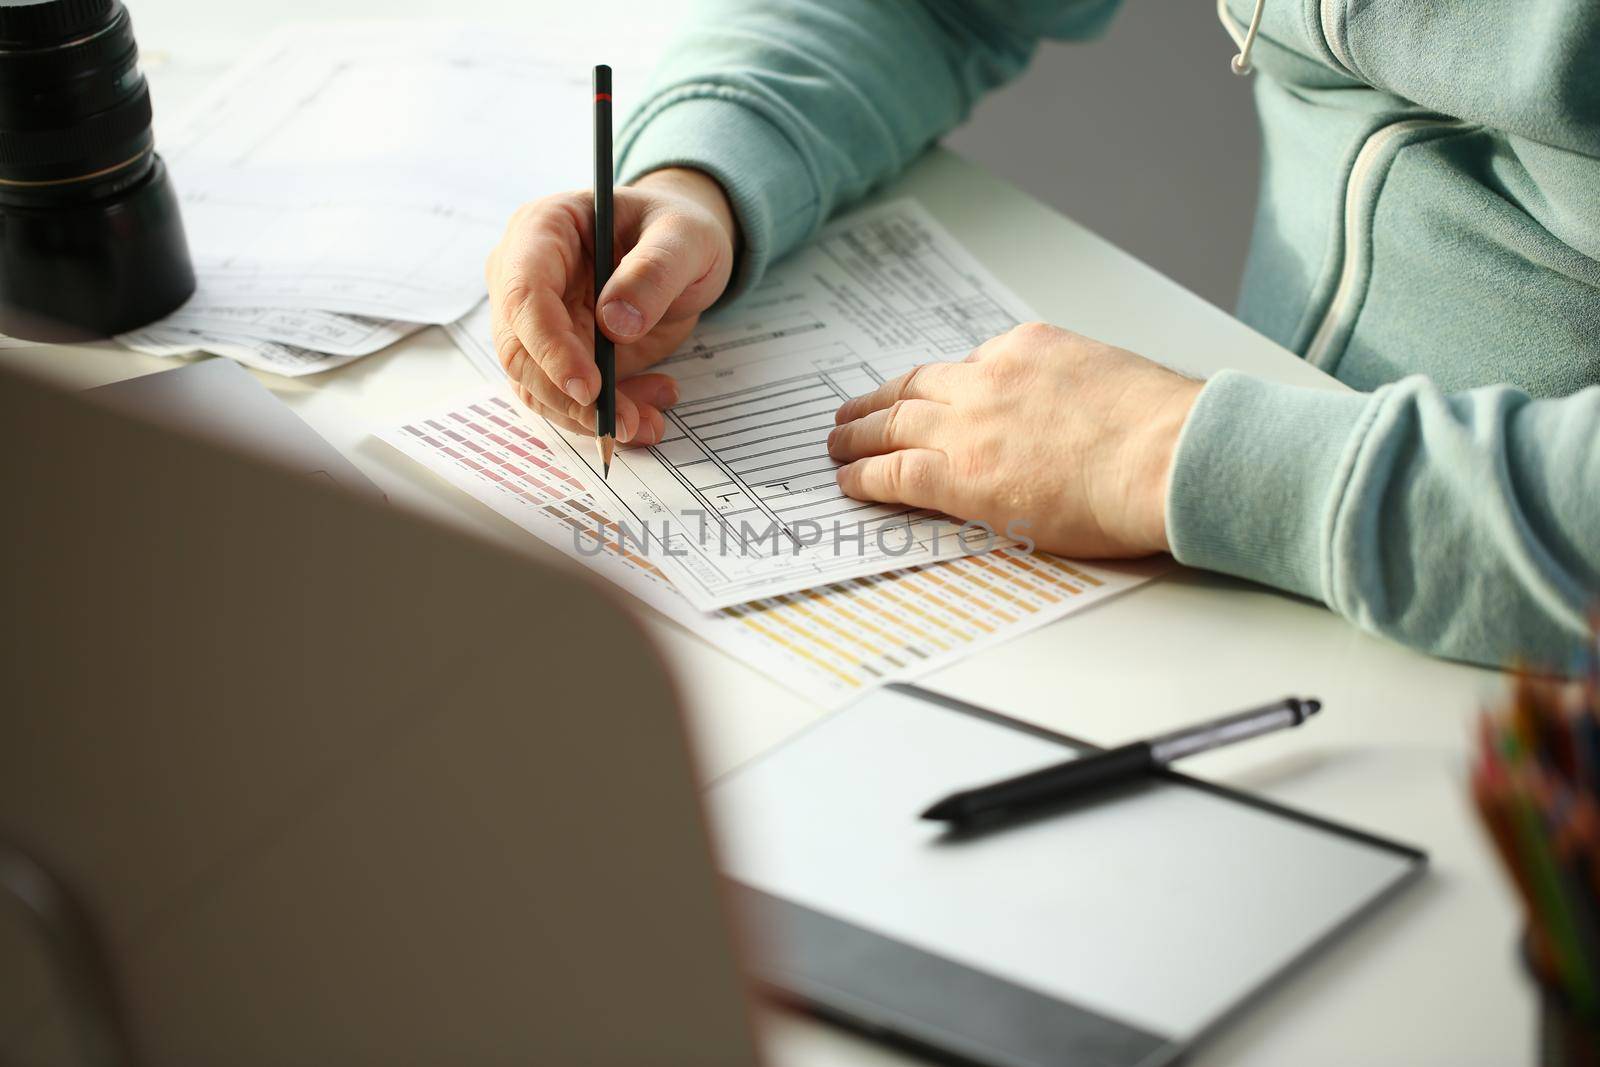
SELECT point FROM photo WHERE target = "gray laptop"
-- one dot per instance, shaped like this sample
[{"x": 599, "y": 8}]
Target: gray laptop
[
  {"x": 288, "y": 777},
  {"x": 218, "y": 401}
]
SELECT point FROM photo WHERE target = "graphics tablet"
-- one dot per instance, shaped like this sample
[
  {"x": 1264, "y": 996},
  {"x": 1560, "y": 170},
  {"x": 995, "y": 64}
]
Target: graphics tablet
[{"x": 1112, "y": 934}]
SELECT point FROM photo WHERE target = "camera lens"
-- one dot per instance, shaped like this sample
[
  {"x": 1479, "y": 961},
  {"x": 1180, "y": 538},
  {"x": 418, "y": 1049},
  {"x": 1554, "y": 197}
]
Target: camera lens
[{"x": 91, "y": 241}]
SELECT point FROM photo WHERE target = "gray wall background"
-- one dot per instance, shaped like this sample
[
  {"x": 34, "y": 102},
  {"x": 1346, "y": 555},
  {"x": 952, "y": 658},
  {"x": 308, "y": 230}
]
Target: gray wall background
[{"x": 1145, "y": 136}]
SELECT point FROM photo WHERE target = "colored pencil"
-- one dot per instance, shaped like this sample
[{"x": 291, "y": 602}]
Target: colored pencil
[{"x": 1536, "y": 785}]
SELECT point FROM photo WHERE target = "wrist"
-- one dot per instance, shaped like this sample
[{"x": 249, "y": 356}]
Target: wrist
[
  {"x": 700, "y": 188},
  {"x": 1157, "y": 451}
]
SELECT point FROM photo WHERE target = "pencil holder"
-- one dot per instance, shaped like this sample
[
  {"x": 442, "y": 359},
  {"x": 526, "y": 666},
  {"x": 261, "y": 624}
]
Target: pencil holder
[{"x": 1566, "y": 1036}]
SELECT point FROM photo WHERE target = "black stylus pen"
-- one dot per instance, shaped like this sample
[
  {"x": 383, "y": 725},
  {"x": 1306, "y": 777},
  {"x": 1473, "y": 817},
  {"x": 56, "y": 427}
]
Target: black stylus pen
[
  {"x": 1062, "y": 781},
  {"x": 605, "y": 354}
]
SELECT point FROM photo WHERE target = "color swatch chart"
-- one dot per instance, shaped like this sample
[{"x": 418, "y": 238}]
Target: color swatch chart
[{"x": 828, "y": 642}]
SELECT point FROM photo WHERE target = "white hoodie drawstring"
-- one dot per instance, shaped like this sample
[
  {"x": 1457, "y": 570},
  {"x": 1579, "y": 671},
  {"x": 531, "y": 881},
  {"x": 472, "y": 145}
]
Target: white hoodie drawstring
[{"x": 1245, "y": 40}]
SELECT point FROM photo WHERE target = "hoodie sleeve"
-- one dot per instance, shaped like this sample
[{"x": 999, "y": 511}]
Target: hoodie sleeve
[
  {"x": 1467, "y": 525},
  {"x": 798, "y": 107}
]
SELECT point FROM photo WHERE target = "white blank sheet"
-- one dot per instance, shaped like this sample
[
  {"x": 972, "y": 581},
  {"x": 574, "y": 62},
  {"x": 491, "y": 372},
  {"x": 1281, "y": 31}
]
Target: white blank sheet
[{"x": 1160, "y": 908}]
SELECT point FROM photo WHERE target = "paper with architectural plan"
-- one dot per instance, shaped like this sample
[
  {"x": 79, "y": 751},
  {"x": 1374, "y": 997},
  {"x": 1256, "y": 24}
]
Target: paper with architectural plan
[
  {"x": 274, "y": 357},
  {"x": 320, "y": 331},
  {"x": 344, "y": 183},
  {"x": 827, "y": 643},
  {"x": 365, "y": 168},
  {"x": 740, "y": 498},
  {"x": 287, "y": 341}
]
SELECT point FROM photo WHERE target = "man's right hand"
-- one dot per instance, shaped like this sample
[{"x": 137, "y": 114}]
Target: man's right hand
[{"x": 676, "y": 236}]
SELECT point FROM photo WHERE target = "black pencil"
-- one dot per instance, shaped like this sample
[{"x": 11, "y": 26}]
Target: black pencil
[{"x": 605, "y": 354}]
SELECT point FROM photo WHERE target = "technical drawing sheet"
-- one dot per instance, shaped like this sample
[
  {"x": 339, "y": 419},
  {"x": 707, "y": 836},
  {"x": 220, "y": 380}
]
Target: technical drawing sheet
[
  {"x": 274, "y": 357},
  {"x": 828, "y": 643},
  {"x": 366, "y": 167},
  {"x": 322, "y": 331},
  {"x": 740, "y": 497},
  {"x": 287, "y": 341}
]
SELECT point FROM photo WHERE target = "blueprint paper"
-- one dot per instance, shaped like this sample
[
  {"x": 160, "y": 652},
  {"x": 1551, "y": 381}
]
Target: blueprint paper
[
  {"x": 320, "y": 331},
  {"x": 274, "y": 357},
  {"x": 740, "y": 496},
  {"x": 828, "y": 643},
  {"x": 364, "y": 168}
]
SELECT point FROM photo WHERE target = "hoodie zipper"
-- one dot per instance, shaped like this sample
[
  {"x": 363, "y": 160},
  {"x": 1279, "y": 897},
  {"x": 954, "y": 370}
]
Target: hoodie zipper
[
  {"x": 1366, "y": 175},
  {"x": 1330, "y": 14}
]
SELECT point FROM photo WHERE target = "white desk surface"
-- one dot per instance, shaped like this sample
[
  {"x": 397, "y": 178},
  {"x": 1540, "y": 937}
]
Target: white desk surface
[{"x": 1432, "y": 979}]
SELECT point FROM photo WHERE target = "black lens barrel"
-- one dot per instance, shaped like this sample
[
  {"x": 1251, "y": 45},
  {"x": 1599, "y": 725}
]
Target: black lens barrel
[
  {"x": 71, "y": 106},
  {"x": 51, "y": 23},
  {"x": 91, "y": 240}
]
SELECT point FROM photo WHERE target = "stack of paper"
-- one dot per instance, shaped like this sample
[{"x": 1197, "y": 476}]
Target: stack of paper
[
  {"x": 342, "y": 186},
  {"x": 745, "y": 450}
]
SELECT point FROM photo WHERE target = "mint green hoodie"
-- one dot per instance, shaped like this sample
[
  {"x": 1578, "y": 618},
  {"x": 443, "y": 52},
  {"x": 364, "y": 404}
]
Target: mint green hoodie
[{"x": 1428, "y": 232}]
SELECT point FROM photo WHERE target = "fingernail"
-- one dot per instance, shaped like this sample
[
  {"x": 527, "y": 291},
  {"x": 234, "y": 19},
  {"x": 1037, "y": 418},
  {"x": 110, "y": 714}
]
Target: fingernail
[
  {"x": 668, "y": 395},
  {"x": 578, "y": 389},
  {"x": 622, "y": 318}
]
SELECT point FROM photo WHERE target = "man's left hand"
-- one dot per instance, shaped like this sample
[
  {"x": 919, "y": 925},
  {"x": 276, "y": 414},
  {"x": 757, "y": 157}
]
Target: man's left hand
[{"x": 1063, "y": 439}]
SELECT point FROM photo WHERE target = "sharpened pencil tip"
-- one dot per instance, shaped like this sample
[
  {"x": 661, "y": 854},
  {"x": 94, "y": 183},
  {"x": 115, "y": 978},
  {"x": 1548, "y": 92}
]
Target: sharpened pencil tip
[
  {"x": 946, "y": 810},
  {"x": 608, "y": 445},
  {"x": 1312, "y": 706}
]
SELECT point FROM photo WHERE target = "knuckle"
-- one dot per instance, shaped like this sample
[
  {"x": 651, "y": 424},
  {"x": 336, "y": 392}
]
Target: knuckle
[
  {"x": 532, "y": 217},
  {"x": 507, "y": 347},
  {"x": 1000, "y": 371},
  {"x": 1033, "y": 331},
  {"x": 532, "y": 209},
  {"x": 542, "y": 209},
  {"x": 551, "y": 360},
  {"x": 894, "y": 420},
  {"x": 912, "y": 473},
  {"x": 907, "y": 417},
  {"x": 674, "y": 219},
  {"x": 546, "y": 355},
  {"x": 894, "y": 472},
  {"x": 513, "y": 360},
  {"x": 983, "y": 351},
  {"x": 652, "y": 268},
  {"x": 549, "y": 219},
  {"x": 514, "y": 297},
  {"x": 679, "y": 227},
  {"x": 548, "y": 215}
]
